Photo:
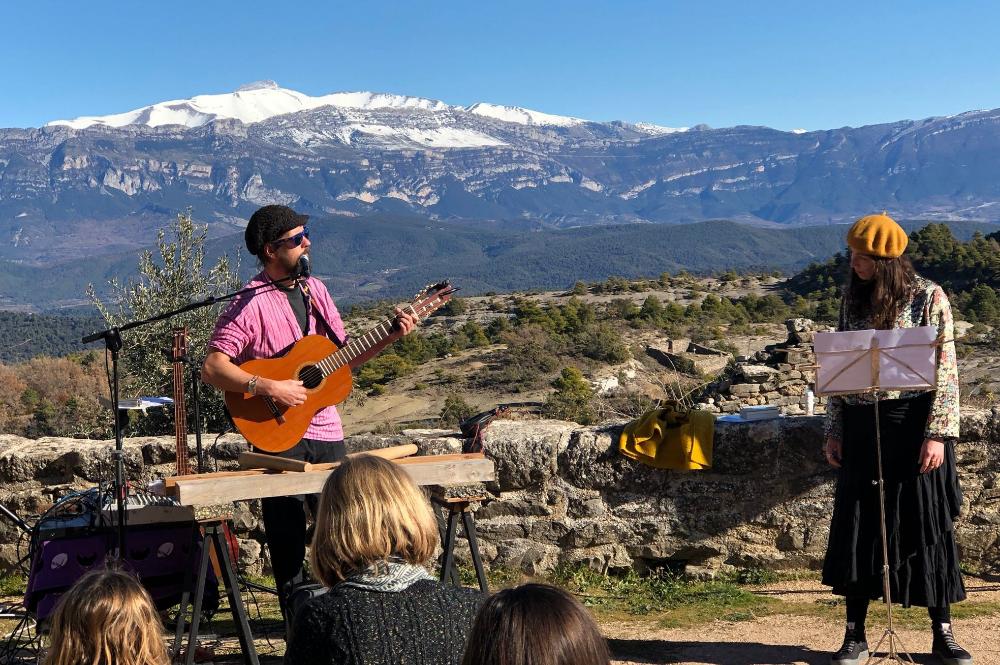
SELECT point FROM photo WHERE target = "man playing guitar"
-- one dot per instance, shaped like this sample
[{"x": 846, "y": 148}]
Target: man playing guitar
[{"x": 264, "y": 324}]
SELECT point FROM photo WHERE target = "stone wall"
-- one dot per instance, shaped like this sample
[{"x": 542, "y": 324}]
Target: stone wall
[
  {"x": 778, "y": 375},
  {"x": 35, "y": 473},
  {"x": 567, "y": 496}
]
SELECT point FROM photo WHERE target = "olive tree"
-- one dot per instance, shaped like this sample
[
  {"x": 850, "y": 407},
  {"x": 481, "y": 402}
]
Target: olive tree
[{"x": 169, "y": 277}]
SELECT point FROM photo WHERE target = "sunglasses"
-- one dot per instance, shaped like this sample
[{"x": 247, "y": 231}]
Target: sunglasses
[{"x": 292, "y": 241}]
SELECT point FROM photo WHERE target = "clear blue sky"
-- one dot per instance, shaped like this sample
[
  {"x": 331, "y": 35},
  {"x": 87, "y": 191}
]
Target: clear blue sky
[{"x": 782, "y": 64}]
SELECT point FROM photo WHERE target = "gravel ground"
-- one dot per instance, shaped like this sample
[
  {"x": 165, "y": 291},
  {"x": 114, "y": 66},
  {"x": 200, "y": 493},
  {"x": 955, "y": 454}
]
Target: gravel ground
[{"x": 786, "y": 639}]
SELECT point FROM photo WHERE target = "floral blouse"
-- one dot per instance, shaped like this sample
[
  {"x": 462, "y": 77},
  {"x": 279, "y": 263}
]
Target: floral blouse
[{"x": 928, "y": 306}]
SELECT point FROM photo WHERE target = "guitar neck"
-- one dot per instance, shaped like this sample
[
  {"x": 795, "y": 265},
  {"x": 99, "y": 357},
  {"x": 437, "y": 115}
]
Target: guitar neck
[
  {"x": 361, "y": 349},
  {"x": 180, "y": 413}
]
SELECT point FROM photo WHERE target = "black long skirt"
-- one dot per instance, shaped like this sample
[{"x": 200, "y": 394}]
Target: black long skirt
[{"x": 921, "y": 510}]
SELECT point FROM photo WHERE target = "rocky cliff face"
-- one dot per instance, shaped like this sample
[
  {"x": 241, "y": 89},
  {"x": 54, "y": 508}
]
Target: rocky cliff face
[
  {"x": 567, "y": 496},
  {"x": 65, "y": 190}
]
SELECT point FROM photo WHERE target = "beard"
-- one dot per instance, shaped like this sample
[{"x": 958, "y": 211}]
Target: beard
[{"x": 289, "y": 265}]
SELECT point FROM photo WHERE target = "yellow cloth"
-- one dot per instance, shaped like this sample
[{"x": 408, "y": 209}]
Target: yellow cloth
[
  {"x": 670, "y": 439},
  {"x": 877, "y": 235}
]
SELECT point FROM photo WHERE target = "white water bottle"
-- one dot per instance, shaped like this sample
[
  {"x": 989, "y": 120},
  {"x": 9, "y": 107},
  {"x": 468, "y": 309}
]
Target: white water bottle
[{"x": 810, "y": 402}]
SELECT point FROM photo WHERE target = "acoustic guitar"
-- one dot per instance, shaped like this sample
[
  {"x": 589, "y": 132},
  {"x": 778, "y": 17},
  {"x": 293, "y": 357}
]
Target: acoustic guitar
[{"x": 325, "y": 371}]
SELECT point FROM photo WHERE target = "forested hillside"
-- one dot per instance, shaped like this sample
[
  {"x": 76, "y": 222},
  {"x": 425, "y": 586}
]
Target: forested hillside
[
  {"x": 389, "y": 256},
  {"x": 520, "y": 345},
  {"x": 27, "y": 335}
]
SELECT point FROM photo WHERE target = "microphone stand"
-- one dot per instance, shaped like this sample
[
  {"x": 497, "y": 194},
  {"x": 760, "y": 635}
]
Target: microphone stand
[
  {"x": 113, "y": 344},
  {"x": 196, "y": 397}
]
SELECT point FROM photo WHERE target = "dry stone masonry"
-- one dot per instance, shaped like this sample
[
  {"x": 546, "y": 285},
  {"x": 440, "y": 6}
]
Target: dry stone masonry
[
  {"x": 779, "y": 375},
  {"x": 565, "y": 495}
]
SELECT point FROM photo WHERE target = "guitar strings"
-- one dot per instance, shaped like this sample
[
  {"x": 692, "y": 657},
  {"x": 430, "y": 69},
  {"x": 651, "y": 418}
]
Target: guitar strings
[{"x": 356, "y": 347}]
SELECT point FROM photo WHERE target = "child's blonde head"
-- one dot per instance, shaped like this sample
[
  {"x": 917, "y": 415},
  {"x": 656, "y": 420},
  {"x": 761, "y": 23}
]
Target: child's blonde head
[{"x": 106, "y": 618}]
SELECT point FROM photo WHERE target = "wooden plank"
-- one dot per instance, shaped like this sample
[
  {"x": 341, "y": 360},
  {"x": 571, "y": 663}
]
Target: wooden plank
[
  {"x": 215, "y": 490},
  {"x": 422, "y": 459},
  {"x": 450, "y": 500},
  {"x": 418, "y": 459},
  {"x": 250, "y": 460},
  {"x": 170, "y": 482},
  {"x": 394, "y": 453}
]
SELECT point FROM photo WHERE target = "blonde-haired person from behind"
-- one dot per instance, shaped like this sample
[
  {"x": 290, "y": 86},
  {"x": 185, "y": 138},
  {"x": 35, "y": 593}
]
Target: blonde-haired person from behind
[
  {"x": 106, "y": 618},
  {"x": 374, "y": 534},
  {"x": 535, "y": 624}
]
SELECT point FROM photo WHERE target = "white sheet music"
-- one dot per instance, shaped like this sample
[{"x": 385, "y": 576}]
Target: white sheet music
[{"x": 906, "y": 360}]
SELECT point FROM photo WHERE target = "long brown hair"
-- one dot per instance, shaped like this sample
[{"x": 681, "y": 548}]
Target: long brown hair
[
  {"x": 882, "y": 297},
  {"x": 370, "y": 510},
  {"x": 106, "y": 618},
  {"x": 535, "y": 624}
]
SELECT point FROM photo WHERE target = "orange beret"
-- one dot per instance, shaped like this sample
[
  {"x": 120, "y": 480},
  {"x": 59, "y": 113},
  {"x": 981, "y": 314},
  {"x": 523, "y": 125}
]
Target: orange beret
[{"x": 878, "y": 235}]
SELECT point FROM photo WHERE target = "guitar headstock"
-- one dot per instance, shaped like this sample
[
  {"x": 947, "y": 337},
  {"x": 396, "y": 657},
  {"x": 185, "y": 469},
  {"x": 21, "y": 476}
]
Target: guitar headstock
[
  {"x": 432, "y": 297},
  {"x": 179, "y": 348}
]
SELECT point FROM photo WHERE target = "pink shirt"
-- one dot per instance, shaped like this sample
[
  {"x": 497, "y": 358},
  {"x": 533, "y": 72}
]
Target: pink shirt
[{"x": 262, "y": 324}]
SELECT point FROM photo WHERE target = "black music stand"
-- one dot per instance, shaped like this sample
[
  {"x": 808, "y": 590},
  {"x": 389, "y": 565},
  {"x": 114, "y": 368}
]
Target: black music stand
[{"x": 867, "y": 362}]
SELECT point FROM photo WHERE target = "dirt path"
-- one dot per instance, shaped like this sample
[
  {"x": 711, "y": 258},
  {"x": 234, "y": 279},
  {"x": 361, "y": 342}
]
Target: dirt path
[{"x": 786, "y": 639}]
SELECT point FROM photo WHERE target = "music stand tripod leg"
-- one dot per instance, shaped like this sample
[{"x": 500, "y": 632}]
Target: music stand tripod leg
[
  {"x": 199, "y": 595},
  {"x": 447, "y": 562}
]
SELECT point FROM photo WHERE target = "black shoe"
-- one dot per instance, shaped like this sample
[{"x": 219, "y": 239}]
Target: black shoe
[
  {"x": 946, "y": 648},
  {"x": 854, "y": 650}
]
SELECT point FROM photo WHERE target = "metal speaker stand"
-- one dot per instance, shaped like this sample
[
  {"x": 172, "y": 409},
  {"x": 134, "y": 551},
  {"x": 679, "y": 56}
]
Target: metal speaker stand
[{"x": 113, "y": 342}]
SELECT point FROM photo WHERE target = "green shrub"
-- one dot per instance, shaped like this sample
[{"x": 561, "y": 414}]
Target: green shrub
[
  {"x": 455, "y": 410},
  {"x": 571, "y": 400}
]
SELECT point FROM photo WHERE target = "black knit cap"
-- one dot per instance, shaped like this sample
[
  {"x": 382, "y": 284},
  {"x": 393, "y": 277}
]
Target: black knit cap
[{"x": 270, "y": 223}]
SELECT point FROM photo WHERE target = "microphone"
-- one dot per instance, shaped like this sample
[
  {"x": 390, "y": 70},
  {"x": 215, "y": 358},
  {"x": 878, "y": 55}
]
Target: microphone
[{"x": 302, "y": 268}]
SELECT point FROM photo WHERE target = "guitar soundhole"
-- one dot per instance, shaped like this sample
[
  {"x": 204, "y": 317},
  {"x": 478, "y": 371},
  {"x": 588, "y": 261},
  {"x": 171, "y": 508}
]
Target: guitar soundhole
[{"x": 310, "y": 376}]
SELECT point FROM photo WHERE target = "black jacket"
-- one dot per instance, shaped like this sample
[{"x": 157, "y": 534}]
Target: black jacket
[{"x": 426, "y": 624}]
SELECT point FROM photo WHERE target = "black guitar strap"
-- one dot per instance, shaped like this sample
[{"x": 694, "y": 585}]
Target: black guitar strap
[{"x": 319, "y": 315}]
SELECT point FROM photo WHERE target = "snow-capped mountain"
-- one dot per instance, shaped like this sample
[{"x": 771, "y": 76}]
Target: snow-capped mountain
[
  {"x": 441, "y": 123},
  {"x": 259, "y": 101},
  {"x": 94, "y": 183}
]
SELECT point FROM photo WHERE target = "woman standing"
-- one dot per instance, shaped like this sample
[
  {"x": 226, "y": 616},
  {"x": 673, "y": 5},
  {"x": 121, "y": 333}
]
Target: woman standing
[{"x": 918, "y": 432}]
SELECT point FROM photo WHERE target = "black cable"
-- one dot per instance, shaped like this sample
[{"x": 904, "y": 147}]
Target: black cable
[
  {"x": 22, "y": 644},
  {"x": 266, "y": 628},
  {"x": 213, "y": 449}
]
